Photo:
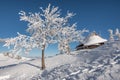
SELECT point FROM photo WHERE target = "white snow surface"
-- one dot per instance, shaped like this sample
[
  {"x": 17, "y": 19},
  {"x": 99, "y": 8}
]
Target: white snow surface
[
  {"x": 25, "y": 69},
  {"x": 94, "y": 40},
  {"x": 4, "y": 77},
  {"x": 102, "y": 63}
]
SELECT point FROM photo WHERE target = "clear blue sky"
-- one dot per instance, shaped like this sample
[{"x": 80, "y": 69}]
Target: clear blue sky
[{"x": 94, "y": 15}]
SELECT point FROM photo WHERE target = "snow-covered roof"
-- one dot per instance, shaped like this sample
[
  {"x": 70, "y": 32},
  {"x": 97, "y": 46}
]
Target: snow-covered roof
[{"x": 94, "y": 39}]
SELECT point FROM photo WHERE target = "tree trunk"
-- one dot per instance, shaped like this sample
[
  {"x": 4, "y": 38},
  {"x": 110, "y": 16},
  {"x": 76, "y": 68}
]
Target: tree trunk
[{"x": 43, "y": 59}]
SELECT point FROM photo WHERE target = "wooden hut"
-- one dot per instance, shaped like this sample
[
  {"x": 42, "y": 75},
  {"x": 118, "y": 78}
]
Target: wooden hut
[{"x": 92, "y": 41}]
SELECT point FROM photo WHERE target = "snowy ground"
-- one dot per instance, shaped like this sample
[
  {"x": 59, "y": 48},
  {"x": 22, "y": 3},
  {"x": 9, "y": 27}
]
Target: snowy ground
[
  {"x": 13, "y": 69},
  {"x": 102, "y": 63}
]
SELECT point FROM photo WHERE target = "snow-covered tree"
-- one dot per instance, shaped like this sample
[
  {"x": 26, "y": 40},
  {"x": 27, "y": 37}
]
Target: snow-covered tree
[
  {"x": 117, "y": 33},
  {"x": 67, "y": 35},
  {"x": 46, "y": 27},
  {"x": 111, "y": 35}
]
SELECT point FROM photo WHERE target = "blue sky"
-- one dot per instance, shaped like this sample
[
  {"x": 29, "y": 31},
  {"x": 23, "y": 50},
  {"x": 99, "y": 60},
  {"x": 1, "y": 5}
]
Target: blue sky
[{"x": 94, "y": 15}]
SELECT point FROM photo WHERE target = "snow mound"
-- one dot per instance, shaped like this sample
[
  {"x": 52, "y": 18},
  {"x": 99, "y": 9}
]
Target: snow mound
[{"x": 102, "y": 63}]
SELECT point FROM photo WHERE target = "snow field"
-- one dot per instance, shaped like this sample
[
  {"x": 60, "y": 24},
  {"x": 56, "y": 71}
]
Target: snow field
[{"x": 102, "y": 63}]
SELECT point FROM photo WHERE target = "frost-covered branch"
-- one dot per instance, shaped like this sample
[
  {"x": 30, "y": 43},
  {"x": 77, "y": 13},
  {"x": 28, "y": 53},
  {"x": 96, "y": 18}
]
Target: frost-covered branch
[
  {"x": 19, "y": 43},
  {"x": 44, "y": 27}
]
